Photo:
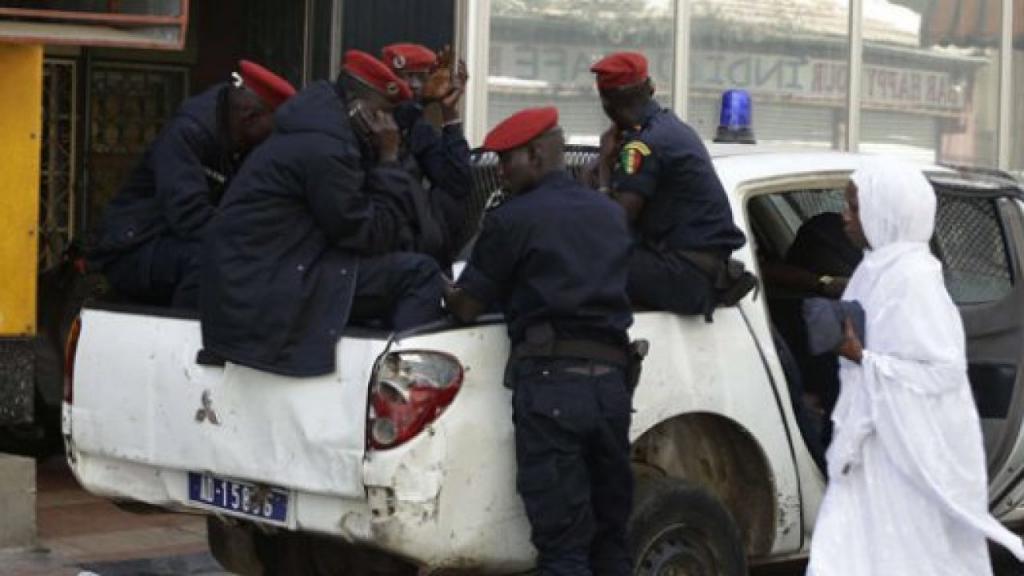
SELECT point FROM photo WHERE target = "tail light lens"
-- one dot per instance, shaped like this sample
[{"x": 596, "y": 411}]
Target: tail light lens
[
  {"x": 409, "y": 391},
  {"x": 70, "y": 349}
]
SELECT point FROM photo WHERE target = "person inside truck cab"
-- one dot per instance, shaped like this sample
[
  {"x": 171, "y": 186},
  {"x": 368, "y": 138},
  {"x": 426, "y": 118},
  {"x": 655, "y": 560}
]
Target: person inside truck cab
[
  {"x": 437, "y": 155},
  {"x": 819, "y": 262},
  {"x": 149, "y": 240},
  {"x": 555, "y": 257},
  {"x": 305, "y": 240},
  {"x": 658, "y": 169}
]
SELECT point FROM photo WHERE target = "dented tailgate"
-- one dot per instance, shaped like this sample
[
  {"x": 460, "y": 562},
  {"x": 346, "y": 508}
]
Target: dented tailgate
[{"x": 140, "y": 398}]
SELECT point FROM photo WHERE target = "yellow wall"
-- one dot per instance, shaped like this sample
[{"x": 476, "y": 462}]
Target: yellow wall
[{"x": 21, "y": 95}]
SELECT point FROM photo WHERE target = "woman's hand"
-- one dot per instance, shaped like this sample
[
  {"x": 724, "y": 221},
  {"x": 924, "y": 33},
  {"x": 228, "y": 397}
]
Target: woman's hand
[{"x": 851, "y": 348}]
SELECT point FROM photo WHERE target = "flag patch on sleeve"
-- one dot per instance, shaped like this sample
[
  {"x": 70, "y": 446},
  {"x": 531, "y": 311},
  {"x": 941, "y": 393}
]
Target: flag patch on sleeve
[{"x": 632, "y": 156}]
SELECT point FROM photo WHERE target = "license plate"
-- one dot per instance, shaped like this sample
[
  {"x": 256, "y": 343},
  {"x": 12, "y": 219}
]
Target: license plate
[{"x": 260, "y": 502}]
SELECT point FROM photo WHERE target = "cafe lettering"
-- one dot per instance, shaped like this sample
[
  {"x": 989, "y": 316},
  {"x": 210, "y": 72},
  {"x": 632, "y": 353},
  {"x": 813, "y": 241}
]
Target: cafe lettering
[{"x": 789, "y": 77}]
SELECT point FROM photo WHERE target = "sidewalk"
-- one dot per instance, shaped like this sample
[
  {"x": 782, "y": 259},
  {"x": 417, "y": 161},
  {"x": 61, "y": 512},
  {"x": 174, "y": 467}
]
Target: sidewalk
[{"x": 79, "y": 532}]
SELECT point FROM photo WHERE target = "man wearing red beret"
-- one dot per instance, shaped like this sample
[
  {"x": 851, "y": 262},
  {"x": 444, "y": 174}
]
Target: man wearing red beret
[
  {"x": 658, "y": 169},
  {"x": 555, "y": 258},
  {"x": 305, "y": 238},
  {"x": 437, "y": 158},
  {"x": 150, "y": 234}
]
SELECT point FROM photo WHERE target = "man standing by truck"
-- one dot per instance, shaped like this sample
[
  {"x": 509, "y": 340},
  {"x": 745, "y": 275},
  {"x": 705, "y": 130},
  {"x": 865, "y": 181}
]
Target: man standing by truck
[
  {"x": 149, "y": 245},
  {"x": 555, "y": 257},
  {"x": 658, "y": 169}
]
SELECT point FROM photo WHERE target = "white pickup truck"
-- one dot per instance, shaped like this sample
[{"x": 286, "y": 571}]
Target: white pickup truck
[{"x": 406, "y": 452}]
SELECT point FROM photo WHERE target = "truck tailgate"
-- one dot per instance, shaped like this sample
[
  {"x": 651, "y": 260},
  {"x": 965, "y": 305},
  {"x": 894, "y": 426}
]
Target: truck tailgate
[{"x": 140, "y": 397}]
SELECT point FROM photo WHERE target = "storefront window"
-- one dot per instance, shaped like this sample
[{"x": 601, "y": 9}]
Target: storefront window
[
  {"x": 930, "y": 82},
  {"x": 1017, "y": 101},
  {"x": 541, "y": 52},
  {"x": 791, "y": 55}
]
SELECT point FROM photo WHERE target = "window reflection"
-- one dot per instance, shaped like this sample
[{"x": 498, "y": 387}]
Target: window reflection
[
  {"x": 929, "y": 94},
  {"x": 541, "y": 52},
  {"x": 791, "y": 55}
]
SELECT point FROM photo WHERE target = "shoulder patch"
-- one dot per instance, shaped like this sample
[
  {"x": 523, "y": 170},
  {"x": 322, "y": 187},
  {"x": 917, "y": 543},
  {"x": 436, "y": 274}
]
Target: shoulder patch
[
  {"x": 632, "y": 156},
  {"x": 639, "y": 146}
]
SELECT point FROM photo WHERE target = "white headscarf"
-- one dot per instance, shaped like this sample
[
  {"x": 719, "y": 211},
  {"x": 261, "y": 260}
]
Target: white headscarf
[
  {"x": 897, "y": 203},
  {"x": 909, "y": 312}
]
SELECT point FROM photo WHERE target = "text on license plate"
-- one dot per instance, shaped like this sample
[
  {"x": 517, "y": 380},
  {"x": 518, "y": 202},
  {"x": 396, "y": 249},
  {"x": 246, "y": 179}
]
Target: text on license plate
[{"x": 261, "y": 502}]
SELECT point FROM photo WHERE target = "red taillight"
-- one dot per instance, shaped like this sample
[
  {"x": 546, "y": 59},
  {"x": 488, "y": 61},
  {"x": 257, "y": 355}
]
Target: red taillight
[
  {"x": 409, "y": 390},
  {"x": 70, "y": 348}
]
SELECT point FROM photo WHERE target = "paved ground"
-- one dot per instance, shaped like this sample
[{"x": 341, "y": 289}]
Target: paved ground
[
  {"x": 80, "y": 533},
  {"x": 1003, "y": 563}
]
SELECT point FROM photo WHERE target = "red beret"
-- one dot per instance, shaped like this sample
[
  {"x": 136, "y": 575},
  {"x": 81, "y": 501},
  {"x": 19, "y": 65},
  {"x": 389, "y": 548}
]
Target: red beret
[
  {"x": 376, "y": 75},
  {"x": 620, "y": 69},
  {"x": 409, "y": 57},
  {"x": 273, "y": 89},
  {"x": 521, "y": 127}
]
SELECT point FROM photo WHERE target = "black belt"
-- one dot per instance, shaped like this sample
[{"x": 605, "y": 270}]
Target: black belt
[
  {"x": 580, "y": 349},
  {"x": 710, "y": 263}
]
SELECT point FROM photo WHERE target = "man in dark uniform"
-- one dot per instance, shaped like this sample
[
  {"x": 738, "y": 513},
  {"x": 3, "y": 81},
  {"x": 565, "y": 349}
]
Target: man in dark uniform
[
  {"x": 304, "y": 238},
  {"x": 152, "y": 230},
  {"x": 437, "y": 159},
  {"x": 658, "y": 169},
  {"x": 555, "y": 257}
]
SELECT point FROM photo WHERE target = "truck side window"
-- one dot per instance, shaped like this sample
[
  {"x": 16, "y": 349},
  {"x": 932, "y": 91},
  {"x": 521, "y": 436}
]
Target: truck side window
[{"x": 969, "y": 241}]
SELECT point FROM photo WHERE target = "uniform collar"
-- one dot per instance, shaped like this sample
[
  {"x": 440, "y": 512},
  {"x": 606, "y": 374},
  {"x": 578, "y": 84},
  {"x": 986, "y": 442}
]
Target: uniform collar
[
  {"x": 650, "y": 110},
  {"x": 551, "y": 178}
]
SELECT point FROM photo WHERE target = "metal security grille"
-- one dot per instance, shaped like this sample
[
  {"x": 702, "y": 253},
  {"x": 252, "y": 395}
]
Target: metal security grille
[
  {"x": 969, "y": 240},
  {"x": 57, "y": 166},
  {"x": 810, "y": 203},
  {"x": 487, "y": 182},
  {"x": 129, "y": 105}
]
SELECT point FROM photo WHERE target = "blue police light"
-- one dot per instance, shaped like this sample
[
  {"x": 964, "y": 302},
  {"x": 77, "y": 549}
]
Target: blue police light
[{"x": 736, "y": 119}]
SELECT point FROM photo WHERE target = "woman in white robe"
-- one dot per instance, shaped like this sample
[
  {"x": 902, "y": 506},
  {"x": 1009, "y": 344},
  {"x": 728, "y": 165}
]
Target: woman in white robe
[{"x": 907, "y": 492}]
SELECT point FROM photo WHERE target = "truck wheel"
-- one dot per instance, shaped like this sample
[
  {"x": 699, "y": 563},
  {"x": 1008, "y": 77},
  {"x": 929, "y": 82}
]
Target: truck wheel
[
  {"x": 233, "y": 545},
  {"x": 678, "y": 528},
  {"x": 300, "y": 554}
]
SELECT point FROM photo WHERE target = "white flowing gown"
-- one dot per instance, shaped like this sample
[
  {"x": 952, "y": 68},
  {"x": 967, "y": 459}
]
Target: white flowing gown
[{"x": 907, "y": 492}]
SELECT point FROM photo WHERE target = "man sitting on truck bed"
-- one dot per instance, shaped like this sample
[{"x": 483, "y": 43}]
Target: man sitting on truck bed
[
  {"x": 304, "y": 240},
  {"x": 149, "y": 246},
  {"x": 657, "y": 168}
]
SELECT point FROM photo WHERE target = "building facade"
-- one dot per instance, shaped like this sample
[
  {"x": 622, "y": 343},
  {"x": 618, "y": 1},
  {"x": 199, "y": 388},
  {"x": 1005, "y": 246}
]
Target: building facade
[
  {"x": 937, "y": 80},
  {"x": 934, "y": 80}
]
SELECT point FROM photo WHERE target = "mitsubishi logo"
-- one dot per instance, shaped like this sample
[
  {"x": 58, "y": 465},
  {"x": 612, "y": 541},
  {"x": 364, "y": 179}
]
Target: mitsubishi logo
[{"x": 206, "y": 412}]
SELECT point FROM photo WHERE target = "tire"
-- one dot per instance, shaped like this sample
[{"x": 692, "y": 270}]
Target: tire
[
  {"x": 679, "y": 528},
  {"x": 233, "y": 545},
  {"x": 286, "y": 553}
]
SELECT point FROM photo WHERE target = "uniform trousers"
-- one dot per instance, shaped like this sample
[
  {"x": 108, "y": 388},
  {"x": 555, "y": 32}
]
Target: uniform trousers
[
  {"x": 399, "y": 290},
  {"x": 663, "y": 281},
  {"x": 163, "y": 271},
  {"x": 574, "y": 476}
]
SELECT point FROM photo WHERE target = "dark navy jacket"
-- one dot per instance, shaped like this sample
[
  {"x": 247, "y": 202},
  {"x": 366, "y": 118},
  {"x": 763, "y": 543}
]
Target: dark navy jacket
[
  {"x": 558, "y": 253},
  {"x": 282, "y": 253},
  {"x": 176, "y": 186},
  {"x": 685, "y": 205},
  {"x": 440, "y": 162}
]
